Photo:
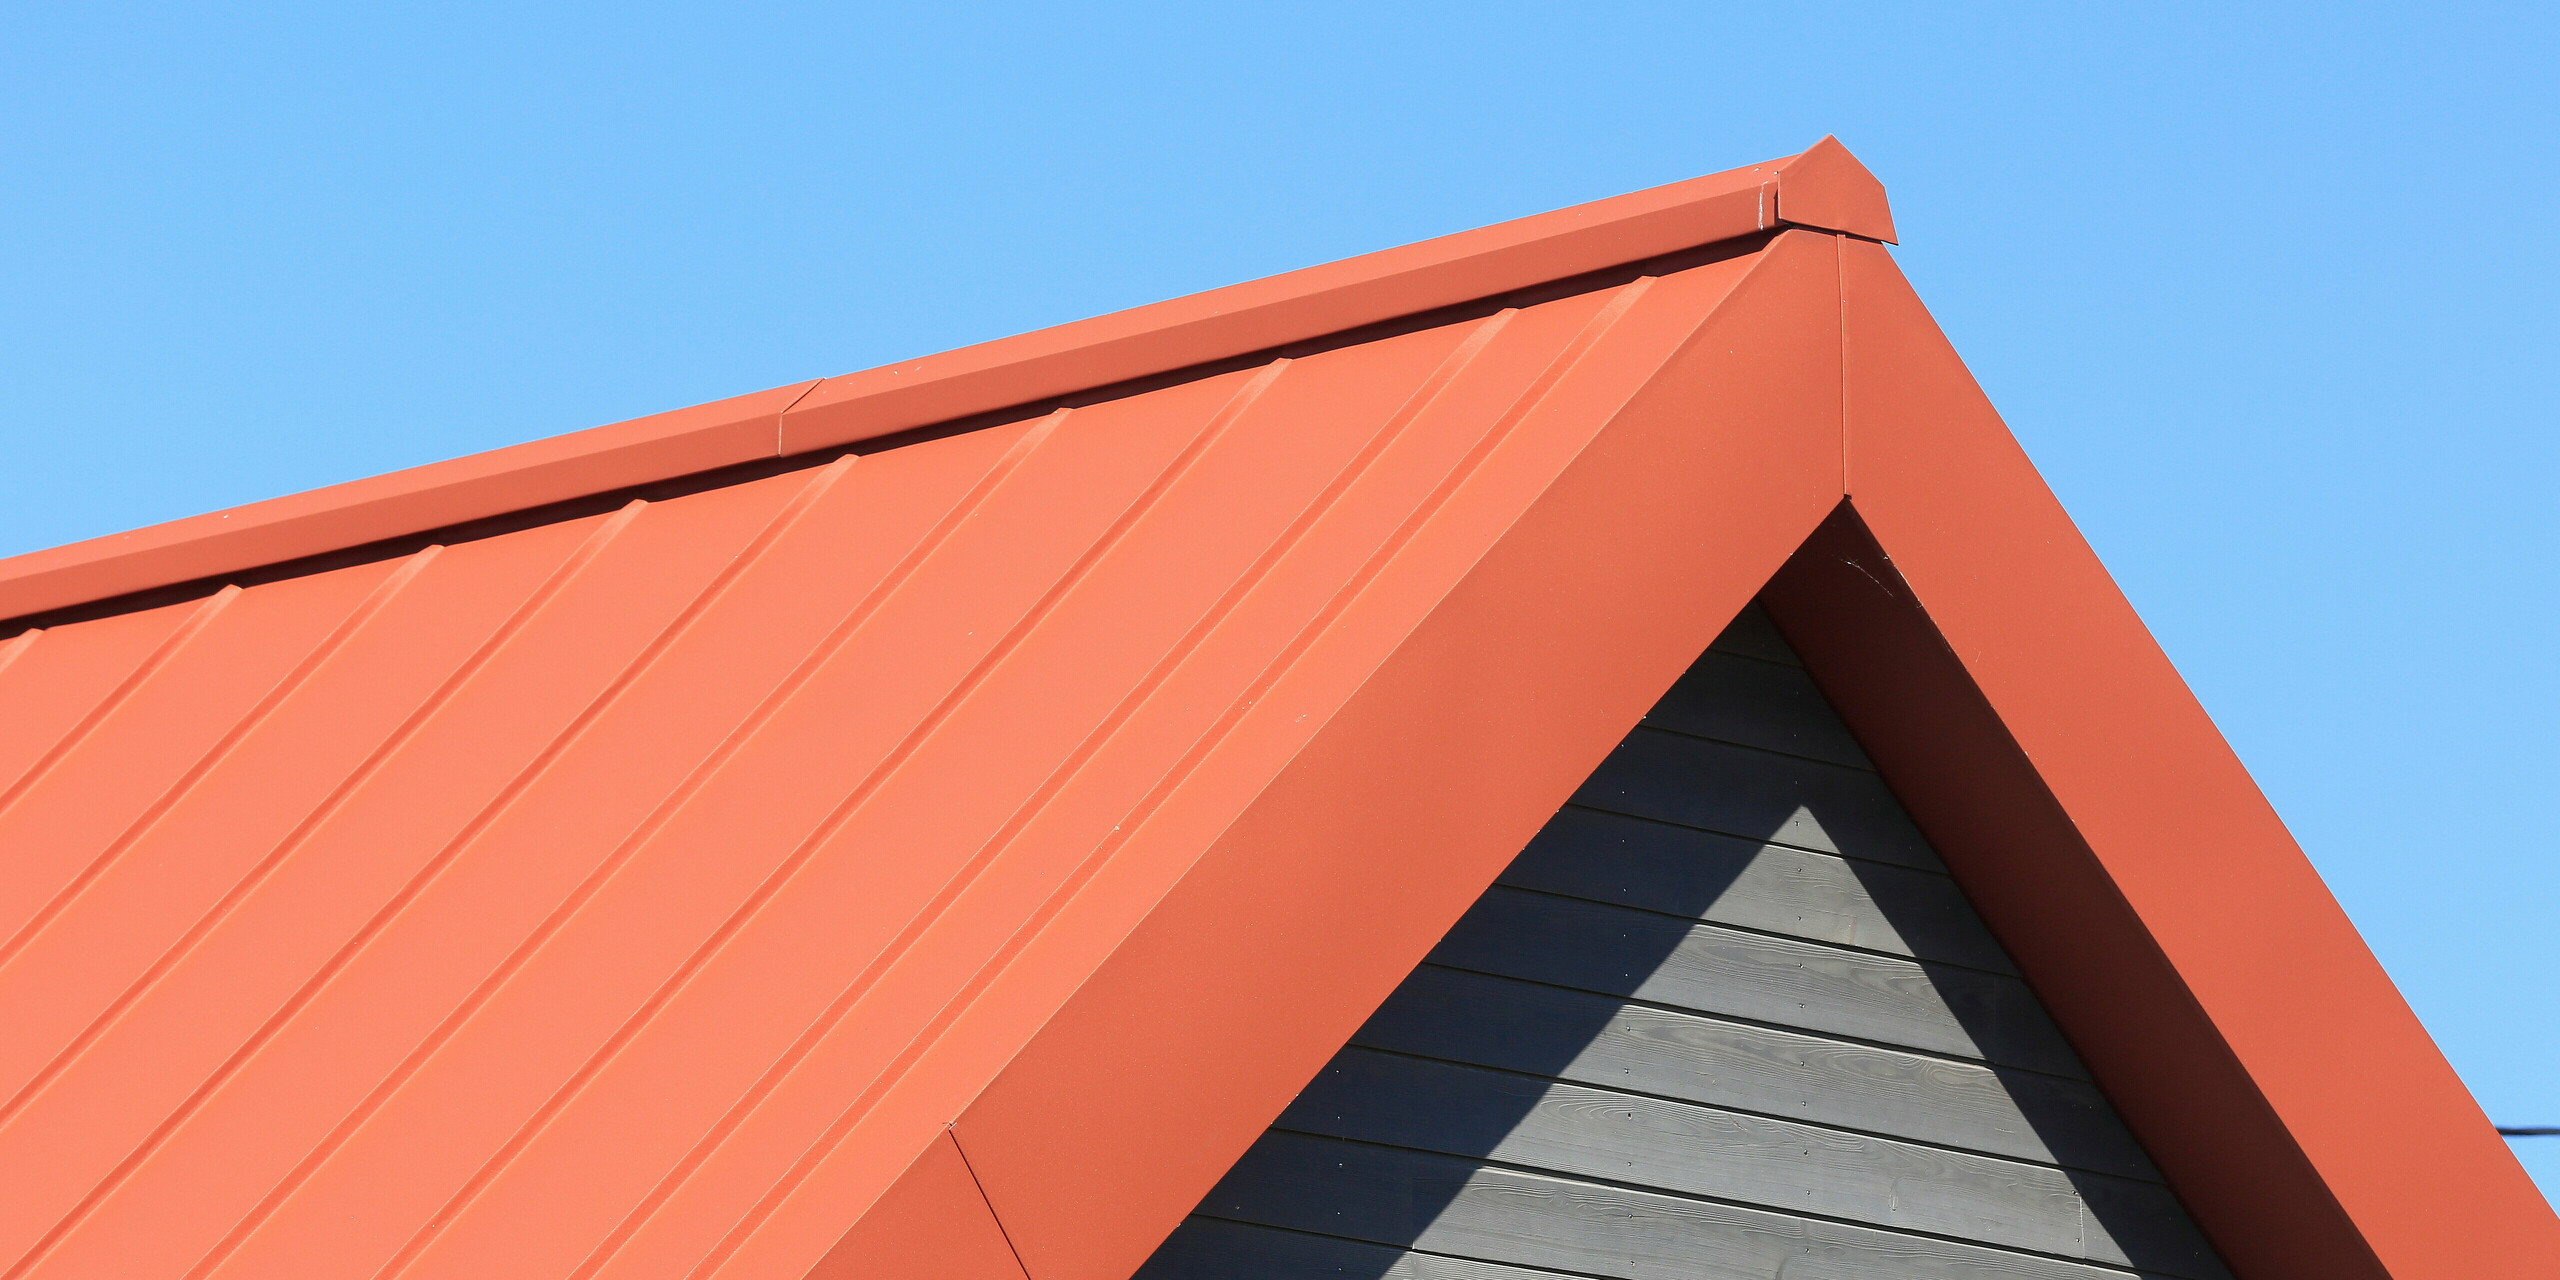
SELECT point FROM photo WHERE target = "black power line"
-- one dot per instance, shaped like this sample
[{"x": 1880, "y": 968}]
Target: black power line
[{"x": 2530, "y": 1132}]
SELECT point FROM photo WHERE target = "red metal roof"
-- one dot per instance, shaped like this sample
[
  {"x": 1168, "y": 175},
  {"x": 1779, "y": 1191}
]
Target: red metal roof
[
  {"x": 1822, "y": 187},
  {"x": 972, "y": 841}
]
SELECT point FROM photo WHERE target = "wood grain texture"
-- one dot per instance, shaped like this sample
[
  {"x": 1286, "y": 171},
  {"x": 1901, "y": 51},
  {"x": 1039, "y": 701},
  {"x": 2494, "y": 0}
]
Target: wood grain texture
[
  {"x": 1680, "y": 1147},
  {"x": 1711, "y": 969},
  {"x": 1655, "y": 866},
  {"x": 1441, "y": 1204},
  {"x": 1598, "y": 1040},
  {"x": 1757, "y": 795},
  {"x": 1755, "y": 703}
]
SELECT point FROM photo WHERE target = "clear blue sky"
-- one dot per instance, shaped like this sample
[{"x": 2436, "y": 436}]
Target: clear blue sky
[{"x": 2268, "y": 295}]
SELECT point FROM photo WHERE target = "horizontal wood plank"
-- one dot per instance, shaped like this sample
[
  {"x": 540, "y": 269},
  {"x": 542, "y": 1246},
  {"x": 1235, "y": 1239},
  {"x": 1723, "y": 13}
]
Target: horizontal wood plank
[
  {"x": 1757, "y": 704},
  {"x": 1707, "y": 968},
  {"x": 1216, "y": 1249},
  {"x": 1577, "y": 1130},
  {"x": 1448, "y": 1205},
  {"x": 1636, "y": 862},
  {"x": 1600, "y": 1040},
  {"x": 1757, "y": 795},
  {"x": 1753, "y": 635}
]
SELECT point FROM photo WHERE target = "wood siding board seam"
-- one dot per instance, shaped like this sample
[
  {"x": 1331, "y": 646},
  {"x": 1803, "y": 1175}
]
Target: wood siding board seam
[
  {"x": 1738, "y": 835},
  {"x": 889, "y": 585},
  {"x": 1727, "y": 1108},
  {"x": 1904, "y": 957},
  {"x": 1573, "y": 1128},
  {"x": 1921, "y": 855},
  {"x": 284, "y": 1014},
  {"x": 1526, "y": 1269},
  {"x": 1763, "y": 1024},
  {"x": 1787, "y": 942},
  {"x": 196, "y": 621},
  {"x": 1586, "y": 1178},
  {"x": 1617, "y": 1184},
  {"x": 1765, "y": 1217},
  {"x": 1938, "y": 952},
  {"x": 1725, "y": 690},
  {"x": 1762, "y": 748},
  {"x": 1588, "y": 806},
  {"x": 2071, "y": 1093},
  {"x": 1650, "y": 726},
  {"x": 1411, "y": 1249},
  {"x": 1739, "y": 655}
]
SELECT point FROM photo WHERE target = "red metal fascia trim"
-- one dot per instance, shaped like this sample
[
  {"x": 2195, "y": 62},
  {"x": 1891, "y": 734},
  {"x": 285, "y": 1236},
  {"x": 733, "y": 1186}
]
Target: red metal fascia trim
[
  {"x": 934, "y": 1221},
  {"x": 640, "y": 451},
  {"x": 1282, "y": 309},
  {"x": 1822, "y": 187},
  {"x": 2122, "y": 853},
  {"x": 1653, "y": 534}
]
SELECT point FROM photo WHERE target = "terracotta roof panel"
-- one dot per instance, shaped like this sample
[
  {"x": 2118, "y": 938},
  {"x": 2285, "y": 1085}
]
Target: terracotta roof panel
[{"x": 559, "y": 902}]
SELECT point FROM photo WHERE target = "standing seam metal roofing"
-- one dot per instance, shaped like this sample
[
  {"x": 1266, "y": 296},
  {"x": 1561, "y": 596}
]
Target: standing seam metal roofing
[
  {"x": 944, "y": 858},
  {"x": 1822, "y": 187},
  {"x": 569, "y": 902}
]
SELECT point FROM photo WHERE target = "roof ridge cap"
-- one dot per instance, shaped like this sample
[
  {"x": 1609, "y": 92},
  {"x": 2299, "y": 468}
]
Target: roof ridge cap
[{"x": 1822, "y": 187}]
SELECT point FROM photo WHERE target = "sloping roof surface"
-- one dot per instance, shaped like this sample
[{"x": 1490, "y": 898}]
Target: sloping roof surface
[
  {"x": 940, "y": 857},
  {"x": 1824, "y": 186},
  {"x": 567, "y": 902}
]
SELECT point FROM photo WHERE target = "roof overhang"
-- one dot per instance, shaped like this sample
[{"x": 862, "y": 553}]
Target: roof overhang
[
  {"x": 1814, "y": 441},
  {"x": 1819, "y": 443},
  {"x": 1823, "y": 187}
]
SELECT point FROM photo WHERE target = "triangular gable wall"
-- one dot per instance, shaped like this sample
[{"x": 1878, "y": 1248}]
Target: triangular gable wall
[{"x": 1727, "y": 1016}]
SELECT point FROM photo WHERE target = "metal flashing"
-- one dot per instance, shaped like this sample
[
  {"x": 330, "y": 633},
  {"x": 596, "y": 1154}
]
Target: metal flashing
[{"x": 1823, "y": 186}]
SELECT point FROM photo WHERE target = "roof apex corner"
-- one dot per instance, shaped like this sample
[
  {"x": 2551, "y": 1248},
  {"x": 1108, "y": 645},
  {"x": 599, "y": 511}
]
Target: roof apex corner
[{"x": 1826, "y": 188}]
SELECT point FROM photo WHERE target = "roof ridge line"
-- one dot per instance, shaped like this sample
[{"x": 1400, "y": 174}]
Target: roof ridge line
[{"x": 1822, "y": 188}]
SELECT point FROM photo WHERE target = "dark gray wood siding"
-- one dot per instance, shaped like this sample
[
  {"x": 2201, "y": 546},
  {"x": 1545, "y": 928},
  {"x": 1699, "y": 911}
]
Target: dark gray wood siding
[{"x": 1725, "y": 1018}]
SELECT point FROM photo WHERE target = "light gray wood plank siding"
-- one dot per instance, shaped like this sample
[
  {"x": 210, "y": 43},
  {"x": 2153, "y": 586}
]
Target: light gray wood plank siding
[
  {"x": 1757, "y": 795},
  {"x": 1591, "y": 1039},
  {"x": 1725, "y": 1017},
  {"x": 1216, "y": 1249},
  {"x": 1654, "y": 866},
  {"x": 1614, "y": 1136},
  {"x": 1712, "y": 969},
  {"x": 1469, "y": 1209}
]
